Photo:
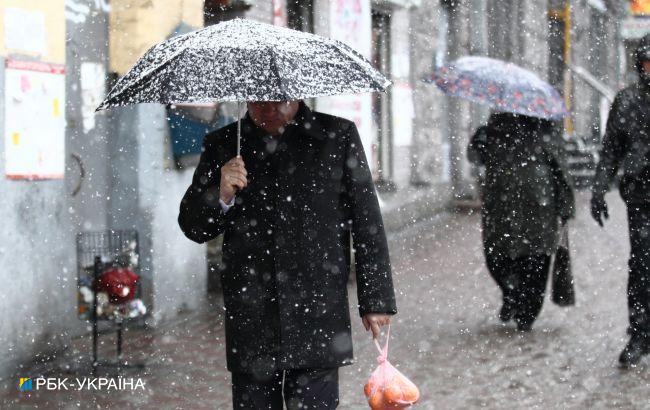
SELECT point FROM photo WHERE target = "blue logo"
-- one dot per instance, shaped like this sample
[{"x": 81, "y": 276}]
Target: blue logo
[{"x": 25, "y": 384}]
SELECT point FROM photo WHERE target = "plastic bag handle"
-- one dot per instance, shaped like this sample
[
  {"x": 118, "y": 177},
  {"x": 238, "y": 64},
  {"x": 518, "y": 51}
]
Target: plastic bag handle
[{"x": 383, "y": 353}]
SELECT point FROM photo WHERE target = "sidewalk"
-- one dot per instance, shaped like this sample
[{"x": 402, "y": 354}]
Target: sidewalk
[
  {"x": 446, "y": 336},
  {"x": 185, "y": 368},
  {"x": 410, "y": 205}
]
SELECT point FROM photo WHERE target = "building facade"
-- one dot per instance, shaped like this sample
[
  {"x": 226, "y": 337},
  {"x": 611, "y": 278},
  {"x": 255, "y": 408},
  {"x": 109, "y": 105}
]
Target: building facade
[{"x": 120, "y": 169}]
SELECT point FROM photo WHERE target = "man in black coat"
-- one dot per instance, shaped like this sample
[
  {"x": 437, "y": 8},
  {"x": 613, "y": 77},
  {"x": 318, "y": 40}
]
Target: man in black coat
[
  {"x": 287, "y": 207},
  {"x": 626, "y": 145}
]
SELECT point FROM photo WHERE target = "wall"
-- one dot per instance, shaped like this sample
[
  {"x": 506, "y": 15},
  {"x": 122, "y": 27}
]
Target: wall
[
  {"x": 127, "y": 184},
  {"x": 439, "y": 35},
  {"x": 459, "y": 120},
  {"x": 429, "y": 164},
  {"x": 402, "y": 96},
  {"x": 584, "y": 113},
  {"x": 261, "y": 11},
  {"x": 37, "y": 256},
  {"x": 136, "y": 25},
  {"x": 147, "y": 189},
  {"x": 146, "y": 195},
  {"x": 593, "y": 33},
  {"x": 49, "y": 12},
  {"x": 37, "y": 248}
]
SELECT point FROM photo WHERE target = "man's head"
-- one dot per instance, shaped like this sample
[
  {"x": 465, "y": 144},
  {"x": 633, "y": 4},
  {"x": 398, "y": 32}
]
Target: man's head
[{"x": 272, "y": 116}]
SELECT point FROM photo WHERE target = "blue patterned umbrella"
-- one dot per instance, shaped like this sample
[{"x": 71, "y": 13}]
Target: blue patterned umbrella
[{"x": 499, "y": 84}]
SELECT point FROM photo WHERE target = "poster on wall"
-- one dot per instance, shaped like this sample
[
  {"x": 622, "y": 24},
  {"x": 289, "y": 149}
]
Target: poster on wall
[
  {"x": 350, "y": 23},
  {"x": 34, "y": 132}
]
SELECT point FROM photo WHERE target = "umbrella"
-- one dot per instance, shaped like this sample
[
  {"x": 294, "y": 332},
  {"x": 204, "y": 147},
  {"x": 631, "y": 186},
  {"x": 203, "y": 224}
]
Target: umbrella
[
  {"x": 502, "y": 85},
  {"x": 244, "y": 60}
]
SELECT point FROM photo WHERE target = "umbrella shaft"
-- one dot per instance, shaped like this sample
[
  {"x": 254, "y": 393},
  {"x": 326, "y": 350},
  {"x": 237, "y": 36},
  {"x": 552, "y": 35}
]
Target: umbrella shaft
[{"x": 238, "y": 128}]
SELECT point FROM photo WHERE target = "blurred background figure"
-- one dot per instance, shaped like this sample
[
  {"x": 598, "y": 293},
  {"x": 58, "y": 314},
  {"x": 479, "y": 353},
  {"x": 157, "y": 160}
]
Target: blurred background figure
[
  {"x": 626, "y": 145},
  {"x": 526, "y": 198}
]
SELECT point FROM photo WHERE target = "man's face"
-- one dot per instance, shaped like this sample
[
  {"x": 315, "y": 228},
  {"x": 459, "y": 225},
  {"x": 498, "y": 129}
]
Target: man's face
[
  {"x": 646, "y": 66},
  {"x": 272, "y": 116}
]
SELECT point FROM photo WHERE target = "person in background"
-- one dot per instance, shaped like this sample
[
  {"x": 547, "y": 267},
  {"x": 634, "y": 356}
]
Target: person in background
[
  {"x": 626, "y": 145},
  {"x": 526, "y": 197}
]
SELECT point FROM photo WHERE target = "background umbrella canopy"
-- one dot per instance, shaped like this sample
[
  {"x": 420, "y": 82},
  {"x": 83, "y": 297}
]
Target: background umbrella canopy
[
  {"x": 244, "y": 60},
  {"x": 502, "y": 85}
]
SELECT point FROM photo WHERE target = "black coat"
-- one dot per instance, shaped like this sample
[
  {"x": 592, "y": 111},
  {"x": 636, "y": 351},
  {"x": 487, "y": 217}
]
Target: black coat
[
  {"x": 526, "y": 189},
  {"x": 626, "y": 145},
  {"x": 286, "y": 246}
]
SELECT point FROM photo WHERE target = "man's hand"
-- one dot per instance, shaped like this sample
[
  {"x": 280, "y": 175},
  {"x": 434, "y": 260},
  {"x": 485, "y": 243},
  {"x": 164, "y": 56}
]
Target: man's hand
[
  {"x": 373, "y": 321},
  {"x": 599, "y": 208},
  {"x": 233, "y": 179}
]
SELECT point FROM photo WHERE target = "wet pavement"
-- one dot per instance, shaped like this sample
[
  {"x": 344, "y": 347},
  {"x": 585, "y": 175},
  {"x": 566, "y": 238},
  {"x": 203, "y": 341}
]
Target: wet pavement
[{"x": 446, "y": 337}]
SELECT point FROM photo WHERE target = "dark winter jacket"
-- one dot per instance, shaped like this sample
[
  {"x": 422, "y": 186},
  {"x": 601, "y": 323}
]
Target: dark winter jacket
[
  {"x": 626, "y": 144},
  {"x": 287, "y": 241},
  {"x": 526, "y": 189}
]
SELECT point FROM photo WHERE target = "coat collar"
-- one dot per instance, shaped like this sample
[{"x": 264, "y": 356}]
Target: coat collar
[{"x": 307, "y": 122}]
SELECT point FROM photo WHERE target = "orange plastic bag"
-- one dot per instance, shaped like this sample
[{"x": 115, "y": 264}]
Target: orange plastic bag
[{"x": 387, "y": 388}]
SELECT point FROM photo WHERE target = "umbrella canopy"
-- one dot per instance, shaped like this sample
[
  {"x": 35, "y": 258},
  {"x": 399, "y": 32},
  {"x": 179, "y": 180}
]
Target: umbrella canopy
[
  {"x": 244, "y": 60},
  {"x": 499, "y": 84}
]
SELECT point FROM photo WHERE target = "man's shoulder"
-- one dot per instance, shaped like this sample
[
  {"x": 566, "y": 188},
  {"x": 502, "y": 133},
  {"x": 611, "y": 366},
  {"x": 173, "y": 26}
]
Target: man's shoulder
[
  {"x": 629, "y": 102},
  {"x": 333, "y": 122}
]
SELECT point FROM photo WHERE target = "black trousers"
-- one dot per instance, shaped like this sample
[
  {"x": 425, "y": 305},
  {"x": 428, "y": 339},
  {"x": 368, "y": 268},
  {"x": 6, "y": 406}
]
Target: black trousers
[
  {"x": 522, "y": 281},
  {"x": 302, "y": 388},
  {"x": 638, "y": 285}
]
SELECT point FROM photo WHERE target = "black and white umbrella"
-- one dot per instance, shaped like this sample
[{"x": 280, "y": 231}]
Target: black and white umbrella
[{"x": 244, "y": 60}]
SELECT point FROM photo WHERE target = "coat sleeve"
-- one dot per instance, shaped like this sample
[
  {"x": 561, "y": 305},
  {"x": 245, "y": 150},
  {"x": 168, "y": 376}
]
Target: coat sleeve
[
  {"x": 613, "y": 149},
  {"x": 372, "y": 264},
  {"x": 200, "y": 217}
]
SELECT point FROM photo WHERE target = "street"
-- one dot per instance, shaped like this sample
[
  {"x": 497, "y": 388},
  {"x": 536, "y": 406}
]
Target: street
[{"x": 446, "y": 337}]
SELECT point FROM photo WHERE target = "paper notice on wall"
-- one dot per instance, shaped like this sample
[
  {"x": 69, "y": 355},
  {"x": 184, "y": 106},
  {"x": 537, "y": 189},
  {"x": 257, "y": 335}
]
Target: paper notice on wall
[
  {"x": 34, "y": 120},
  {"x": 93, "y": 88},
  {"x": 25, "y": 31}
]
